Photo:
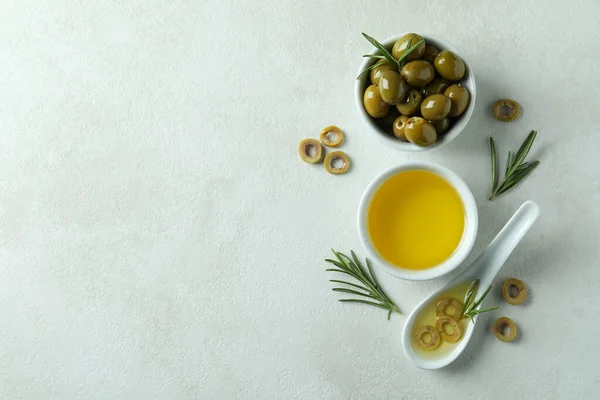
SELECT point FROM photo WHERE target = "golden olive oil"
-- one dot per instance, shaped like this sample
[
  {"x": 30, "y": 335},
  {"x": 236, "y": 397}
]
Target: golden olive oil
[
  {"x": 428, "y": 317},
  {"x": 416, "y": 220}
]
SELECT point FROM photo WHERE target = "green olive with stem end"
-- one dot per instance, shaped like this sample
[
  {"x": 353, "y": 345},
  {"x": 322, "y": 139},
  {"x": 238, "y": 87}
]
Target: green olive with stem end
[
  {"x": 376, "y": 72},
  {"x": 418, "y": 73},
  {"x": 449, "y": 66},
  {"x": 430, "y": 53},
  {"x": 435, "y": 107},
  {"x": 399, "y": 126},
  {"x": 410, "y": 105},
  {"x": 441, "y": 126},
  {"x": 436, "y": 86},
  {"x": 459, "y": 97},
  {"x": 374, "y": 105},
  {"x": 419, "y": 131},
  {"x": 401, "y": 46},
  {"x": 392, "y": 87}
]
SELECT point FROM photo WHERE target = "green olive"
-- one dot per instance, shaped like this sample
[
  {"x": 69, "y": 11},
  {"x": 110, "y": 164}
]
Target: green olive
[
  {"x": 430, "y": 53},
  {"x": 418, "y": 73},
  {"x": 419, "y": 131},
  {"x": 389, "y": 119},
  {"x": 392, "y": 87},
  {"x": 435, "y": 107},
  {"x": 459, "y": 97},
  {"x": 449, "y": 66},
  {"x": 374, "y": 105},
  {"x": 401, "y": 46},
  {"x": 436, "y": 86},
  {"x": 410, "y": 105},
  {"x": 376, "y": 72},
  {"x": 441, "y": 126},
  {"x": 398, "y": 127}
]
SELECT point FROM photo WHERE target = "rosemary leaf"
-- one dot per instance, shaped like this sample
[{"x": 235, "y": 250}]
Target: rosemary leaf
[
  {"x": 365, "y": 302},
  {"x": 469, "y": 295},
  {"x": 347, "y": 283},
  {"x": 368, "y": 69},
  {"x": 488, "y": 309},
  {"x": 402, "y": 58},
  {"x": 350, "y": 291},
  {"x": 508, "y": 159},
  {"x": 373, "y": 56},
  {"x": 469, "y": 307},
  {"x": 494, "y": 164},
  {"x": 517, "y": 178},
  {"x": 523, "y": 151},
  {"x": 367, "y": 285},
  {"x": 478, "y": 302},
  {"x": 516, "y": 167},
  {"x": 382, "y": 49}
]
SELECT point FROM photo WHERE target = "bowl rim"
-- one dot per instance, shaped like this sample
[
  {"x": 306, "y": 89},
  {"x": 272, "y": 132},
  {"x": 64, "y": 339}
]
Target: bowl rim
[
  {"x": 467, "y": 240},
  {"x": 405, "y": 146}
]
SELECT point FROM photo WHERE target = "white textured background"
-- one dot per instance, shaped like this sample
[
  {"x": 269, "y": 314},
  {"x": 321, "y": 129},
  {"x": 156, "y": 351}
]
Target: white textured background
[{"x": 161, "y": 239}]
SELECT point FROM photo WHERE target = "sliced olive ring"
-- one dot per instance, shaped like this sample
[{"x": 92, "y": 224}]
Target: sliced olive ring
[
  {"x": 501, "y": 325},
  {"x": 337, "y": 155},
  {"x": 507, "y": 289},
  {"x": 455, "y": 329},
  {"x": 449, "y": 307},
  {"x": 305, "y": 151},
  {"x": 422, "y": 333},
  {"x": 337, "y": 133},
  {"x": 506, "y": 110}
]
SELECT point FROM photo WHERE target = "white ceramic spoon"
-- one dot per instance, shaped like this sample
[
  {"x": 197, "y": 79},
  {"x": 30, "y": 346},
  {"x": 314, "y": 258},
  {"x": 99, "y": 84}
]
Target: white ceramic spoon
[{"x": 485, "y": 267}]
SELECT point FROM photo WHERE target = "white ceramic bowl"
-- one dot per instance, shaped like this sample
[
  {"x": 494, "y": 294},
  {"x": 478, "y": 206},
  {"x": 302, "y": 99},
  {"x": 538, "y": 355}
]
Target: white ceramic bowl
[
  {"x": 361, "y": 84},
  {"x": 465, "y": 245}
]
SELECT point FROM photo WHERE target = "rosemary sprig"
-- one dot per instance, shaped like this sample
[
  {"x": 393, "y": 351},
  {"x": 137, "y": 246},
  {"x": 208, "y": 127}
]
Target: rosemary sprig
[
  {"x": 368, "y": 286},
  {"x": 470, "y": 304},
  {"x": 386, "y": 56},
  {"x": 516, "y": 169}
]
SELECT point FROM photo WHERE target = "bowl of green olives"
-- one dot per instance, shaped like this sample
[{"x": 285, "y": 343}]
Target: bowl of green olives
[{"x": 421, "y": 101}]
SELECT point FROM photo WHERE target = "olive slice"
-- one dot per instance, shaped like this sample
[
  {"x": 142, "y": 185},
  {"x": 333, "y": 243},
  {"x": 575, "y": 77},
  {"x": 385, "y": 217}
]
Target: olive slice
[
  {"x": 428, "y": 338},
  {"x": 449, "y": 307},
  {"x": 504, "y": 329},
  {"x": 333, "y": 157},
  {"x": 506, "y": 110},
  {"x": 338, "y": 136},
  {"x": 449, "y": 329},
  {"x": 310, "y": 151},
  {"x": 514, "y": 291}
]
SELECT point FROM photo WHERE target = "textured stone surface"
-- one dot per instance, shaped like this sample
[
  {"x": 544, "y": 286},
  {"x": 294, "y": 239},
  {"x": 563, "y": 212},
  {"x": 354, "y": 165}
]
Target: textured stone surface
[{"x": 161, "y": 239}]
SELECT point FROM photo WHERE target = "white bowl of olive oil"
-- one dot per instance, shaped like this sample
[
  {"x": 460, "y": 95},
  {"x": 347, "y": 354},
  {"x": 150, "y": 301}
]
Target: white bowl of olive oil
[{"x": 418, "y": 221}]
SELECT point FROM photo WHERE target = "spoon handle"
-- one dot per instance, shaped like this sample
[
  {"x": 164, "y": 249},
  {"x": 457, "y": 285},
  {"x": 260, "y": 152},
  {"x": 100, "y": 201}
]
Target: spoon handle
[{"x": 491, "y": 260}]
